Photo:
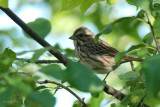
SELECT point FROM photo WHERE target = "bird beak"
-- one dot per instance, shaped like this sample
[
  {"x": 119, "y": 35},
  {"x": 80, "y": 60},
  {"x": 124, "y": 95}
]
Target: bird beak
[{"x": 73, "y": 37}]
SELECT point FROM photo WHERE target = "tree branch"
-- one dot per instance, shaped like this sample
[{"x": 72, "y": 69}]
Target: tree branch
[
  {"x": 115, "y": 93},
  {"x": 153, "y": 33},
  {"x": 66, "y": 88},
  {"x": 34, "y": 35},
  {"x": 40, "y": 61}
]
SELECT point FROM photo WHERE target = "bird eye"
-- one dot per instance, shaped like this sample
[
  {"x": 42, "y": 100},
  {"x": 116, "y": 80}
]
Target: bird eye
[{"x": 80, "y": 35}]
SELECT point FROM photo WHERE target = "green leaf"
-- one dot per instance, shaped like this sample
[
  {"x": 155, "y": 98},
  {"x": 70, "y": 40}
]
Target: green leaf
[
  {"x": 156, "y": 6},
  {"x": 41, "y": 26},
  {"x": 22, "y": 84},
  {"x": 150, "y": 67},
  {"x": 107, "y": 29},
  {"x": 83, "y": 78},
  {"x": 6, "y": 59},
  {"x": 143, "y": 52},
  {"x": 70, "y": 4},
  {"x": 97, "y": 37},
  {"x": 156, "y": 26},
  {"x": 148, "y": 39},
  {"x": 141, "y": 14},
  {"x": 110, "y": 2},
  {"x": 144, "y": 4},
  {"x": 38, "y": 53},
  {"x": 130, "y": 2},
  {"x": 77, "y": 104},
  {"x": 129, "y": 76},
  {"x": 86, "y": 4},
  {"x": 133, "y": 47},
  {"x": 40, "y": 98},
  {"x": 40, "y": 87},
  {"x": 136, "y": 96},
  {"x": 119, "y": 57},
  {"x": 4, "y": 3},
  {"x": 69, "y": 52},
  {"x": 96, "y": 102},
  {"x": 5, "y": 93},
  {"x": 156, "y": 23},
  {"x": 53, "y": 70}
]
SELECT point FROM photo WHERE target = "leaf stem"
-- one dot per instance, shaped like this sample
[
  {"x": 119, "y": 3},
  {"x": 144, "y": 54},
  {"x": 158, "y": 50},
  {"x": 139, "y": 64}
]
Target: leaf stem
[{"x": 153, "y": 33}]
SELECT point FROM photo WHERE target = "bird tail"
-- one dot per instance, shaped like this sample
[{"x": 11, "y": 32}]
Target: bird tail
[{"x": 127, "y": 58}]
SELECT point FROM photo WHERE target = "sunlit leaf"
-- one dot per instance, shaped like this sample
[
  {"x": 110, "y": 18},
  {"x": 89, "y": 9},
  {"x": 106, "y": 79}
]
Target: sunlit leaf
[
  {"x": 77, "y": 103},
  {"x": 4, "y": 3},
  {"x": 96, "y": 102},
  {"x": 83, "y": 78},
  {"x": 41, "y": 26},
  {"x": 70, "y": 4},
  {"x": 110, "y": 2}
]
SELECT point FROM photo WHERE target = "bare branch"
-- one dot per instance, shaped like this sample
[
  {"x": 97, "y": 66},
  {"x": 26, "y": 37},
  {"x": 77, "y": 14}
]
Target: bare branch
[
  {"x": 34, "y": 35},
  {"x": 115, "y": 93},
  {"x": 40, "y": 61},
  {"x": 153, "y": 33},
  {"x": 66, "y": 88}
]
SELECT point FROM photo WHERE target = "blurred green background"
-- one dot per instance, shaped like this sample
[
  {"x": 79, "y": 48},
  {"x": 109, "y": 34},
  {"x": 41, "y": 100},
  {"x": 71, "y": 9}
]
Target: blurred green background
[{"x": 63, "y": 23}]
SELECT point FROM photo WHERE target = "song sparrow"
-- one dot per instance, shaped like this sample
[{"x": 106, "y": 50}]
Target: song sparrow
[{"x": 99, "y": 56}]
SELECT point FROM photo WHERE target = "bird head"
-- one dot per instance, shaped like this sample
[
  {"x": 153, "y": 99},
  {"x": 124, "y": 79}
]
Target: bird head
[{"x": 82, "y": 35}]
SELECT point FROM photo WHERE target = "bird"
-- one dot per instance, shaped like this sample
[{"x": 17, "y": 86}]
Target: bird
[{"x": 100, "y": 56}]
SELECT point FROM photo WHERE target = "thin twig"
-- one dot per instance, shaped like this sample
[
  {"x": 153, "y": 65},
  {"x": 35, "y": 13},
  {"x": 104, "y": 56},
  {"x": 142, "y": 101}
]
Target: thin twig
[
  {"x": 153, "y": 33},
  {"x": 132, "y": 65},
  {"x": 40, "y": 61},
  {"x": 66, "y": 88},
  {"x": 34, "y": 35}
]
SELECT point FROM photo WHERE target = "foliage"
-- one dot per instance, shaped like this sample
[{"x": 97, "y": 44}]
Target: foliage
[
  {"x": 4, "y": 3},
  {"x": 18, "y": 78}
]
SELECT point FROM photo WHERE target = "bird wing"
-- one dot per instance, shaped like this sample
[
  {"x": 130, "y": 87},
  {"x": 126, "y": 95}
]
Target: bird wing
[{"x": 101, "y": 48}]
